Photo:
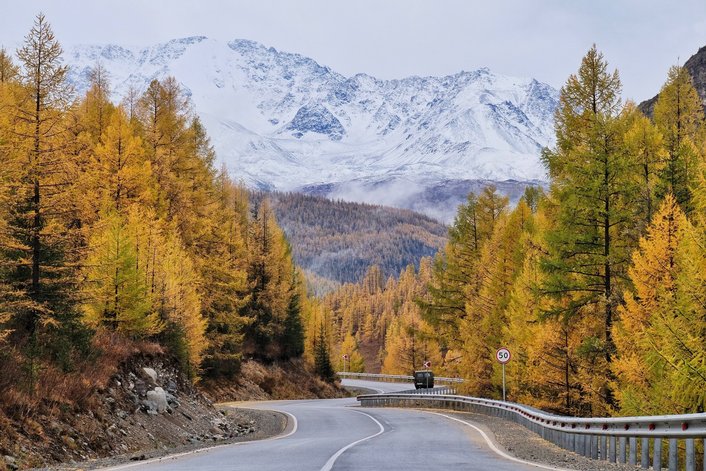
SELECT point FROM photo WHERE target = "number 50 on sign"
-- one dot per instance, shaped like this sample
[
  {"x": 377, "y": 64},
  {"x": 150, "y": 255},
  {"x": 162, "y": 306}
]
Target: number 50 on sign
[{"x": 503, "y": 355}]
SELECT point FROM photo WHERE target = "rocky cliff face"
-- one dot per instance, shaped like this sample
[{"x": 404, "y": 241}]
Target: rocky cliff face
[{"x": 696, "y": 65}]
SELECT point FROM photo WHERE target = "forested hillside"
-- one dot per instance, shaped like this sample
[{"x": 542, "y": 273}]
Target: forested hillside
[
  {"x": 597, "y": 287},
  {"x": 378, "y": 324},
  {"x": 340, "y": 240},
  {"x": 118, "y": 236}
]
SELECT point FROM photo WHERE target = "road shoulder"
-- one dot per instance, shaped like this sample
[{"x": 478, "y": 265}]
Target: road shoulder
[
  {"x": 523, "y": 444},
  {"x": 266, "y": 424}
]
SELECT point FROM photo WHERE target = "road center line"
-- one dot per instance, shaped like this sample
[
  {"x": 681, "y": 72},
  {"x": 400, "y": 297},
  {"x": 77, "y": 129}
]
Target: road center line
[
  {"x": 497, "y": 450},
  {"x": 331, "y": 461}
]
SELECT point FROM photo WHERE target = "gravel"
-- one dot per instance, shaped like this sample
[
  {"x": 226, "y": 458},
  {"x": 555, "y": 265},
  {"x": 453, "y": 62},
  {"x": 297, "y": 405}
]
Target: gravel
[
  {"x": 263, "y": 423},
  {"x": 526, "y": 445}
]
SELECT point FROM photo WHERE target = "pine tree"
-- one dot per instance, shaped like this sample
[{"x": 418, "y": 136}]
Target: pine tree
[
  {"x": 119, "y": 169},
  {"x": 293, "y": 335},
  {"x": 8, "y": 70},
  {"x": 97, "y": 107},
  {"x": 223, "y": 263},
  {"x": 322, "y": 359},
  {"x": 455, "y": 283},
  {"x": 677, "y": 115},
  {"x": 594, "y": 190},
  {"x": 500, "y": 263},
  {"x": 116, "y": 292},
  {"x": 660, "y": 338},
  {"x": 270, "y": 273},
  {"x": 41, "y": 251},
  {"x": 178, "y": 302},
  {"x": 644, "y": 143}
]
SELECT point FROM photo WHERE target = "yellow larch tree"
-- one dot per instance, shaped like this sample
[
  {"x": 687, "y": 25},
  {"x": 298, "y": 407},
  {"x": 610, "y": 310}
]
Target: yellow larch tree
[
  {"x": 677, "y": 115},
  {"x": 120, "y": 171},
  {"x": 660, "y": 337},
  {"x": 116, "y": 293}
]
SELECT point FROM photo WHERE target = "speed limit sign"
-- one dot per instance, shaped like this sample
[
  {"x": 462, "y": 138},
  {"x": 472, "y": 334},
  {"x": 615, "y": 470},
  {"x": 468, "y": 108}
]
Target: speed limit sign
[{"x": 503, "y": 355}]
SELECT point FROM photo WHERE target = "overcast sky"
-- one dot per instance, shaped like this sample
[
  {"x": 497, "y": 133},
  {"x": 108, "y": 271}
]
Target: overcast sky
[{"x": 544, "y": 39}]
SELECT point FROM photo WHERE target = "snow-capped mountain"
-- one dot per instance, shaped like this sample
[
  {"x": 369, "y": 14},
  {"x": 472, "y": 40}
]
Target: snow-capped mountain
[{"x": 282, "y": 121}]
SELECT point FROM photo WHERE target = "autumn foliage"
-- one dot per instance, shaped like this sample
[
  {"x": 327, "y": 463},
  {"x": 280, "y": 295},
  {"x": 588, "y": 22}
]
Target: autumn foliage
[
  {"x": 596, "y": 285},
  {"x": 115, "y": 224}
]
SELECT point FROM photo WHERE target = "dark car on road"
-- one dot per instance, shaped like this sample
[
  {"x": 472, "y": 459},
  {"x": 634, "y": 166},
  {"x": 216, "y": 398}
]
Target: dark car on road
[{"x": 423, "y": 379}]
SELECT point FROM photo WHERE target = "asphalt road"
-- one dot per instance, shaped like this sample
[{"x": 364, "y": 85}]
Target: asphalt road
[{"x": 338, "y": 435}]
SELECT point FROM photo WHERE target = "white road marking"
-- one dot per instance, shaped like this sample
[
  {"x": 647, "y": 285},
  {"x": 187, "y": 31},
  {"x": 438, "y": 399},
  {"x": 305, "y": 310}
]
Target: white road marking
[
  {"x": 497, "y": 450},
  {"x": 209, "y": 449},
  {"x": 331, "y": 461}
]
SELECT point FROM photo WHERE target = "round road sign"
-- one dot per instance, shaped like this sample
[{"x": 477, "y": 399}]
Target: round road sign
[
  {"x": 503, "y": 355},
  {"x": 427, "y": 364},
  {"x": 345, "y": 356}
]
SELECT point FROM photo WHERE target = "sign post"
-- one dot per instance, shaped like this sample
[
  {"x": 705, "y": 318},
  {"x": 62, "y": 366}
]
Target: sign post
[
  {"x": 503, "y": 356},
  {"x": 345, "y": 357}
]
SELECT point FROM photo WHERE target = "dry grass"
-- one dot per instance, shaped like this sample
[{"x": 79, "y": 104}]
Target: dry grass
[
  {"x": 56, "y": 390},
  {"x": 292, "y": 379},
  {"x": 59, "y": 396}
]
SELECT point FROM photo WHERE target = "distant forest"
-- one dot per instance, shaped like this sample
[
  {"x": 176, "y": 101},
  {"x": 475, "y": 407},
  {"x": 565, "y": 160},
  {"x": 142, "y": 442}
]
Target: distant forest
[{"x": 340, "y": 240}]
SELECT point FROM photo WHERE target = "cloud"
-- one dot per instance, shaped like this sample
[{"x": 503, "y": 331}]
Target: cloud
[{"x": 544, "y": 39}]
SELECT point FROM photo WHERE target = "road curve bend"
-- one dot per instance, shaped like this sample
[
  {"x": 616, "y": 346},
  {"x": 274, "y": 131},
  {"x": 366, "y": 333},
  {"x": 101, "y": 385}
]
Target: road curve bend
[{"x": 337, "y": 435}]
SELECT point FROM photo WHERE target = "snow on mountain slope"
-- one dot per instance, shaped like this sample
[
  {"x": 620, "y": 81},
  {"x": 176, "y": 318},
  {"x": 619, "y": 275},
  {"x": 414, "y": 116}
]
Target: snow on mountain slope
[{"x": 282, "y": 121}]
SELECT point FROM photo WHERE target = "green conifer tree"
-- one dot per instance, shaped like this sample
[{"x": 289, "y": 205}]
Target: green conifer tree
[
  {"x": 322, "y": 358},
  {"x": 594, "y": 190}
]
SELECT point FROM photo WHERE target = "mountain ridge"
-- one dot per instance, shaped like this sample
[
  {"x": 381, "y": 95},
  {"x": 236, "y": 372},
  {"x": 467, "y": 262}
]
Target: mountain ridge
[
  {"x": 281, "y": 121},
  {"x": 696, "y": 66}
]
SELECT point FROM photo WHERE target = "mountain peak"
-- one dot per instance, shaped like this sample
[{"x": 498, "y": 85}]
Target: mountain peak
[{"x": 281, "y": 120}]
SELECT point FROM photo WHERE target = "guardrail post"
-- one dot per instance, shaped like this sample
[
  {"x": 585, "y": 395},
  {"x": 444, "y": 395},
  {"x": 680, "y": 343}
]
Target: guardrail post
[
  {"x": 645, "y": 453},
  {"x": 633, "y": 450},
  {"x": 612, "y": 451},
  {"x": 690, "y": 455},
  {"x": 595, "y": 441},
  {"x": 673, "y": 454},
  {"x": 604, "y": 448},
  {"x": 657, "y": 454},
  {"x": 587, "y": 446},
  {"x": 621, "y": 449}
]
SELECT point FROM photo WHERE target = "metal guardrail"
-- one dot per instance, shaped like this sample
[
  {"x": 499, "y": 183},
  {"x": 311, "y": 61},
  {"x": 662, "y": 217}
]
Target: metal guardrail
[
  {"x": 446, "y": 390},
  {"x": 394, "y": 378},
  {"x": 612, "y": 439}
]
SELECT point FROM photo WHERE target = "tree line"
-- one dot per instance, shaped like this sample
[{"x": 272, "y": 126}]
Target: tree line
[
  {"x": 340, "y": 240},
  {"x": 597, "y": 285},
  {"x": 115, "y": 221}
]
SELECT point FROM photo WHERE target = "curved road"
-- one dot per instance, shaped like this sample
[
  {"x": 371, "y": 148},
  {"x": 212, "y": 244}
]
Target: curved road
[{"x": 337, "y": 435}]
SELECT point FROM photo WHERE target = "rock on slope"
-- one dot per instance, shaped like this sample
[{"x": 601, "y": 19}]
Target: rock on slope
[{"x": 148, "y": 406}]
